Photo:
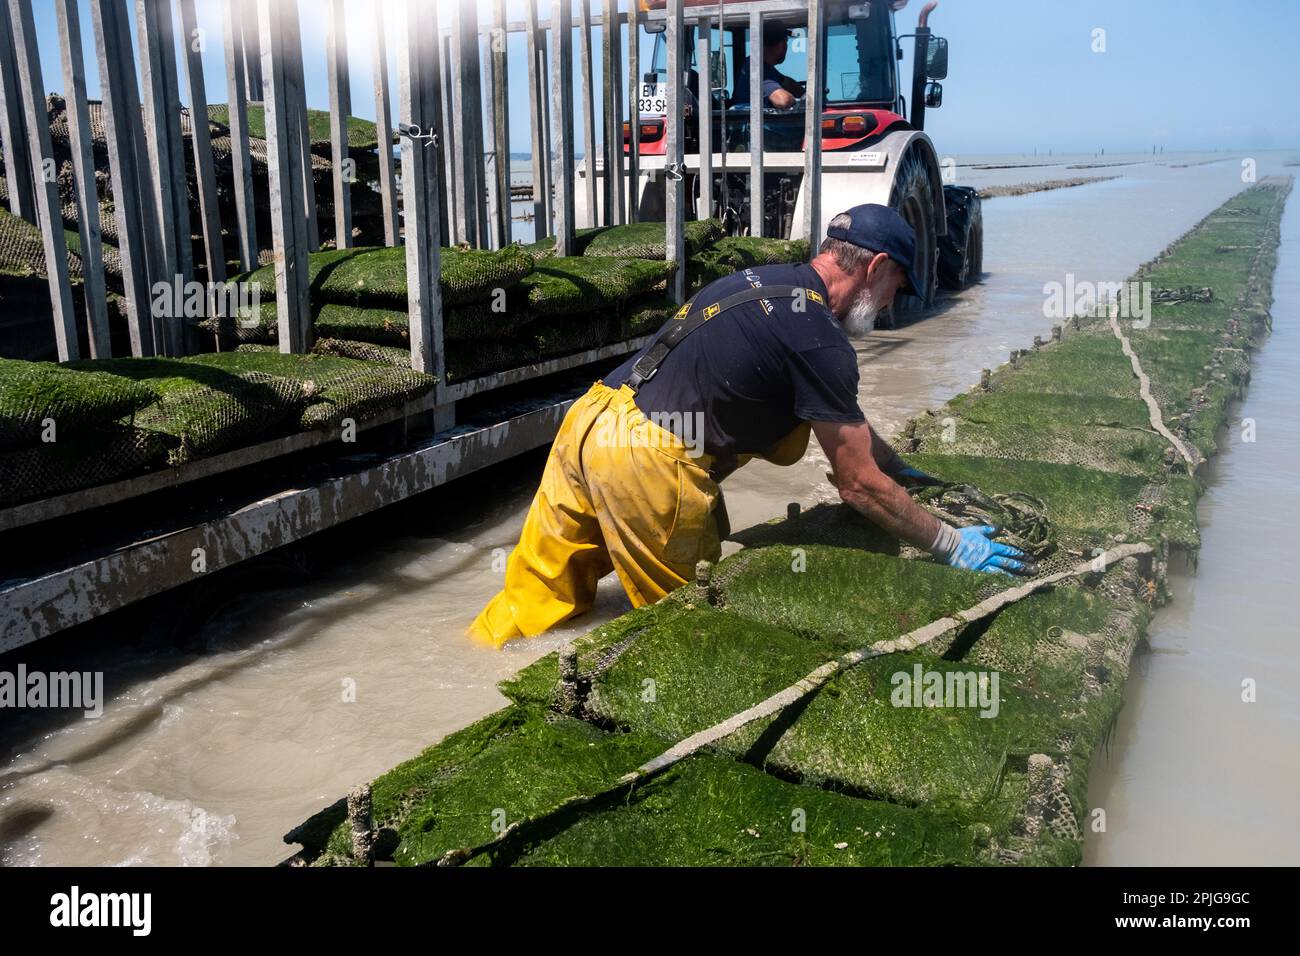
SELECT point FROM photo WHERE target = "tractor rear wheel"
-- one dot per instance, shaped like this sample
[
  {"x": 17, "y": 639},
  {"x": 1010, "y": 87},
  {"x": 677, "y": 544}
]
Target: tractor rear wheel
[
  {"x": 914, "y": 199},
  {"x": 961, "y": 252}
]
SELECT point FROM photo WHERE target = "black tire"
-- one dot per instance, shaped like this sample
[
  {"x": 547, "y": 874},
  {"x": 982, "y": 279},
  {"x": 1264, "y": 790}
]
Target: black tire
[
  {"x": 914, "y": 199},
  {"x": 961, "y": 252}
]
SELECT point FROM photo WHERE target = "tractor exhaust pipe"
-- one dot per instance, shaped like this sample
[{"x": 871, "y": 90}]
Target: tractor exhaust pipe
[{"x": 920, "y": 60}]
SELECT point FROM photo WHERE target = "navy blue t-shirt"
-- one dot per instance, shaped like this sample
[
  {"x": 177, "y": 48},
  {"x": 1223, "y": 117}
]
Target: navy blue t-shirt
[{"x": 756, "y": 375}]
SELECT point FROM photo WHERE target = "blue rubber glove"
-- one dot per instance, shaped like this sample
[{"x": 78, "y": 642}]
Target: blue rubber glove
[
  {"x": 915, "y": 476},
  {"x": 972, "y": 548}
]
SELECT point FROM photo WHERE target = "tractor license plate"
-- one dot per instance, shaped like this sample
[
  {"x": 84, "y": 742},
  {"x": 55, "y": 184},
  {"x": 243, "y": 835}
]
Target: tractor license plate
[
  {"x": 653, "y": 99},
  {"x": 872, "y": 159}
]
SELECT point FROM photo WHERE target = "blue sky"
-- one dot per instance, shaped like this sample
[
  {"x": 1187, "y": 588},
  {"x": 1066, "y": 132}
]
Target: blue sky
[{"x": 1023, "y": 75}]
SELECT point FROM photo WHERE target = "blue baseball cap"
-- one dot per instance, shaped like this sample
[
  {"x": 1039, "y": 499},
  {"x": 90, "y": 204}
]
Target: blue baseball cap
[{"x": 881, "y": 229}]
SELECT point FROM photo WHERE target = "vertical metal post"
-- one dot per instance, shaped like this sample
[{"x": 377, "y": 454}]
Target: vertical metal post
[
  {"x": 674, "y": 191},
  {"x": 237, "y": 100},
  {"x": 536, "y": 125},
  {"x": 297, "y": 107},
  {"x": 204, "y": 167},
  {"x": 466, "y": 97},
  {"x": 13, "y": 134},
  {"x": 812, "y": 149},
  {"x": 49, "y": 213},
  {"x": 121, "y": 98},
  {"x": 419, "y": 106},
  {"x": 501, "y": 119},
  {"x": 612, "y": 49},
  {"x": 633, "y": 112},
  {"x": 562, "y": 116},
  {"x": 455, "y": 197},
  {"x": 756, "y": 123},
  {"x": 588, "y": 111},
  {"x": 384, "y": 131},
  {"x": 490, "y": 237},
  {"x": 440, "y": 76},
  {"x": 163, "y": 138},
  {"x": 83, "y": 167},
  {"x": 340, "y": 90},
  {"x": 548, "y": 148},
  {"x": 246, "y": 16},
  {"x": 283, "y": 154},
  {"x": 703, "y": 43}
]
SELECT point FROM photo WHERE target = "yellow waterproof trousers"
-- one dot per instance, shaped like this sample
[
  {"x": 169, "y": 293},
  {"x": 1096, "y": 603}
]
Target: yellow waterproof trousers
[{"x": 618, "y": 492}]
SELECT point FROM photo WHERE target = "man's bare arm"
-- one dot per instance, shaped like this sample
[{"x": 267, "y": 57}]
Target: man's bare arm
[
  {"x": 852, "y": 450},
  {"x": 887, "y": 460}
]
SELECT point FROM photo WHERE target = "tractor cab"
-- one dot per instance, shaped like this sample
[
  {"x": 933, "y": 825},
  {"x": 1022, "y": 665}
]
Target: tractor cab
[
  {"x": 863, "y": 94},
  {"x": 874, "y": 148}
]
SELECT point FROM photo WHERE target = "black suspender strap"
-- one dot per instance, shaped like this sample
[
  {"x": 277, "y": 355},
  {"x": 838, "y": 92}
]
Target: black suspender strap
[{"x": 689, "y": 318}]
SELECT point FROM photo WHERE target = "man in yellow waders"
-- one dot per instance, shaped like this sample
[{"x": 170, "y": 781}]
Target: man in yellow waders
[{"x": 748, "y": 368}]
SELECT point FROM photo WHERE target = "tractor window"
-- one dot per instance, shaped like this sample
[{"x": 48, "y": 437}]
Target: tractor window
[{"x": 859, "y": 62}]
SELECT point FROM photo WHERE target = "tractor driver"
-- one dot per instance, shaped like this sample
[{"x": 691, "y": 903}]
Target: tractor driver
[
  {"x": 779, "y": 90},
  {"x": 752, "y": 365}
]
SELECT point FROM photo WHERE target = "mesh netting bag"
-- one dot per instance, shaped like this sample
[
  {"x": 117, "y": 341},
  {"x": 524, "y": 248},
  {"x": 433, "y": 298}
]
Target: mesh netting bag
[
  {"x": 589, "y": 283},
  {"x": 639, "y": 240},
  {"x": 377, "y": 276},
  {"x": 563, "y": 335},
  {"x": 207, "y": 409},
  {"x": 744, "y": 251},
  {"x": 366, "y": 351},
  {"x": 333, "y": 387},
  {"x": 79, "y": 461},
  {"x": 646, "y": 240},
  {"x": 467, "y": 360},
  {"x": 644, "y": 315},
  {"x": 77, "y": 401}
]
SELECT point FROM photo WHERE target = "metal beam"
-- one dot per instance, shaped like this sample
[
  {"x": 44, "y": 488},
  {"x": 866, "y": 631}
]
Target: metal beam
[
  {"x": 49, "y": 213},
  {"x": 204, "y": 165},
  {"x": 704, "y": 116},
  {"x": 83, "y": 168},
  {"x": 340, "y": 91},
  {"x": 116, "y": 578},
  {"x": 283, "y": 155},
  {"x": 246, "y": 13},
  {"x": 162, "y": 123},
  {"x": 562, "y": 117},
  {"x": 466, "y": 100},
  {"x": 812, "y": 146},
  {"x": 756, "y": 123},
  {"x": 612, "y": 40},
  {"x": 537, "y": 123},
  {"x": 298, "y": 107},
  {"x": 13, "y": 134},
  {"x": 384, "y": 131},
  {"x": 126, "y": 158},
  {"x": 501, "y": 121},
  {"x": 237, "y": 96},
  {"x": 419, "y": 105},
  {"x": 634, "y": 113},
  {"x": 674, "y": 191},
  {"x": 588, "y": 110}
]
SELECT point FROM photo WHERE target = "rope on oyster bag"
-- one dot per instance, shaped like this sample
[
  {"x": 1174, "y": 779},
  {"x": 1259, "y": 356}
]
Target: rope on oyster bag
[
  {"x": 799, "y": 691},
  {"x": 1144, "y": 388}
]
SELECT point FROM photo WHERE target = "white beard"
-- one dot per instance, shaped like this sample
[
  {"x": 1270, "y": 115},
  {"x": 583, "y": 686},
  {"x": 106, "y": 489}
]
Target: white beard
[{"x": 862, "y": 316}]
